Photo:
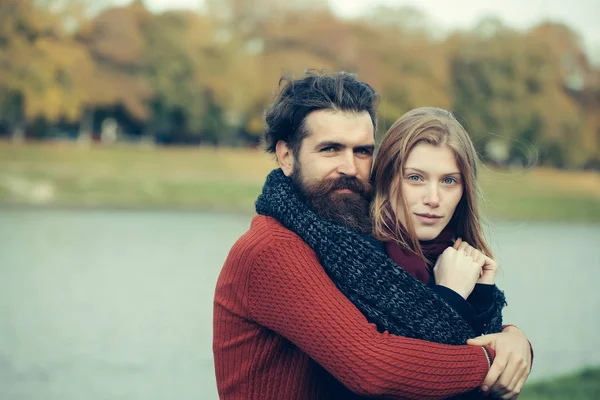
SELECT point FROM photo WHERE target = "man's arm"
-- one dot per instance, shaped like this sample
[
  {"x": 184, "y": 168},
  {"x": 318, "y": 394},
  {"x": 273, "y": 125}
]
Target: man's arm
[{"x": 290, "y": 293}]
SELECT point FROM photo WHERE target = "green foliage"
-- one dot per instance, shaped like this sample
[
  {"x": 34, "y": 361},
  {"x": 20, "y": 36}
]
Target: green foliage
[
  {"x": 584, "y": 385},
  {"x": 506, "y": 85}
]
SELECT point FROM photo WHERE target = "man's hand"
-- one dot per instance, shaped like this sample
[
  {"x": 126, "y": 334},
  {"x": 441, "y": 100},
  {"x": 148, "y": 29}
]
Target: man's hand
[{"x": 511, "y": 365}]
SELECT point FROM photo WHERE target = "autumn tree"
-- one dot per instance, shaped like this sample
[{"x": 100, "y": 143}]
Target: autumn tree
[
  {"x": 43, "y": 71},
  {"x": 508, "y": 88},
  {"x": 581, "y": 82},
  {"x": 115, "y": 42}
]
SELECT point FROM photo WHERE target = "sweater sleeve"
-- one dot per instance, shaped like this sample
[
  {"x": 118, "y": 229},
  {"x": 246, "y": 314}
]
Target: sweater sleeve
[
  {"x": 482, "y": 298},
  {"x": 461, "y": 306},
  {"x": 477, "y": 310},
  {"x": 290, "y": 293}
]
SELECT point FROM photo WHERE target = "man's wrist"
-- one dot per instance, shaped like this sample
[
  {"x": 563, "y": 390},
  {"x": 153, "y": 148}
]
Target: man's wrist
[{"x": 488, "y": 356}]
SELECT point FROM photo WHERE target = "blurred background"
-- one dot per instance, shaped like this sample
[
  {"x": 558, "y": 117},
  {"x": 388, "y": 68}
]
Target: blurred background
[{"x": 130, "y": 161}]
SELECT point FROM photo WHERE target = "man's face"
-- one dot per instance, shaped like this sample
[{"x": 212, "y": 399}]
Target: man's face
[{"x": 333, "y": 166}]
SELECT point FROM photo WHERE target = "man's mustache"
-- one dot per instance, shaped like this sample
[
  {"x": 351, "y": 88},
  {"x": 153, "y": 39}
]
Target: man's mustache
[{"x": 343, "y": 182}]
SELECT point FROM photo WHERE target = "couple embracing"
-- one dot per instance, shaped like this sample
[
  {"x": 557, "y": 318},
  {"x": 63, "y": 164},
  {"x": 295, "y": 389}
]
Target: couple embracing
[{"x": 364, "y": 275}]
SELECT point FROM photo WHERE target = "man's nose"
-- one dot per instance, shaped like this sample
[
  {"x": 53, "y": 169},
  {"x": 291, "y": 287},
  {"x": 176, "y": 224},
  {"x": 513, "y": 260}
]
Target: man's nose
[{"x": 348, "y": 165}]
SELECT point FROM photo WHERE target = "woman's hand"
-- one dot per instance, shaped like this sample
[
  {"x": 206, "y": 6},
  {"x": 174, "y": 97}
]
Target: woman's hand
[
  {"x": 490, "y": 266},
  {"x": 457, "y": 270}
]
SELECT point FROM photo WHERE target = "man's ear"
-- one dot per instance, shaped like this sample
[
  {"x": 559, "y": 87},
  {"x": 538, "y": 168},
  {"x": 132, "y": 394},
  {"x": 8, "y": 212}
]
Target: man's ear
[{"x": 285, "y": 157}]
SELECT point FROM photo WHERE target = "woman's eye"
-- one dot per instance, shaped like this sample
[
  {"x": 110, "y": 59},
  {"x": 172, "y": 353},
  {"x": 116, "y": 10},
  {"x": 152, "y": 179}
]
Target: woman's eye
[
  {"x": 449, "y": 181},
  {"x": 414, "y": 178}
]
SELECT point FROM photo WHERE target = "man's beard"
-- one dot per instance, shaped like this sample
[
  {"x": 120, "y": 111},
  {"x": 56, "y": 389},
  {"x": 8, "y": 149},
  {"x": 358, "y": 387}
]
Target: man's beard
[{"x": 347, "y": 209}]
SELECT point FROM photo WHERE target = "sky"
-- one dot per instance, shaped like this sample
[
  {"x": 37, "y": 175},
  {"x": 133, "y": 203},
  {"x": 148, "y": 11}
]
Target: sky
[{"x": 581, "y": 15}]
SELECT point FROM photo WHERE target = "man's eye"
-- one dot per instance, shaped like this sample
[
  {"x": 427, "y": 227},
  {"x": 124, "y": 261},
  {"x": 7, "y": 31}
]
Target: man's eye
[{"x": 327, "y": 149}]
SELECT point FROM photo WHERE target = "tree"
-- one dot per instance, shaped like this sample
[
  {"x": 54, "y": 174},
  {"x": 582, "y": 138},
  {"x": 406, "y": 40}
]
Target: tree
[
  {"x": 115, "y": 43},
  {"x": 581, "y": 82},
  {"x": 42, "y": 70},
  {"x": 508, "y": 87}
]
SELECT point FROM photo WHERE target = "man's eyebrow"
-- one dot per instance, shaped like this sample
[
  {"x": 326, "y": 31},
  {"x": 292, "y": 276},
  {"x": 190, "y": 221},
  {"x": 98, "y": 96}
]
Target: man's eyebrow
[
  {"x": 322, "y": 145},
  {"x": 329, "y": 144}
]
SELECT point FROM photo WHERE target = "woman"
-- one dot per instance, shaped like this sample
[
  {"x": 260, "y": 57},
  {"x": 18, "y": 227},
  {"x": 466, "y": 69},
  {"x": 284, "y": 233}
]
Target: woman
[{"x": 425, "y": 179}]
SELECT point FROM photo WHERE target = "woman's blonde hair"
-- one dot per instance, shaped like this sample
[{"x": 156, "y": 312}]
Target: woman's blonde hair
[{"x": 437, "y": 127}]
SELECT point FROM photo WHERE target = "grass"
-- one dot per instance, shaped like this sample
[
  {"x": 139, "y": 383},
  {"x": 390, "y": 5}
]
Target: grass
[
  {"x": 67, "y": 175},
  {"x": 131, "y": 177},
  {"x": 541, "y": 194},
  {"x": 584, "y": 385}
]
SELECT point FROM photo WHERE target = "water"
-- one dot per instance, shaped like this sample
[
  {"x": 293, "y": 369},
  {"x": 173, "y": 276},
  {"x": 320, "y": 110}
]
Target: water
[{"x": 118, "y": 305}]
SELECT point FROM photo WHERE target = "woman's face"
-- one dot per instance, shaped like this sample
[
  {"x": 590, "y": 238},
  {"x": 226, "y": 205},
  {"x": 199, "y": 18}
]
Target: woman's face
[{"x": 432, "y": 186}]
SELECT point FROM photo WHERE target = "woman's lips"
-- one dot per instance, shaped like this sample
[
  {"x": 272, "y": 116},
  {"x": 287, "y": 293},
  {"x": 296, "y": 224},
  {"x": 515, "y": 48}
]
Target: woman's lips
[{"x": 428, "y": 219}]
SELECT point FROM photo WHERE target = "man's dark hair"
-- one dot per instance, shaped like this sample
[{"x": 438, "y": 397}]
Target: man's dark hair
[{"x": 285, "y": 119}]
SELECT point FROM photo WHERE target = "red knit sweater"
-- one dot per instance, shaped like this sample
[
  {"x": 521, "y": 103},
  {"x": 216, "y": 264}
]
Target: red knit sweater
[{"x": 282, "y": 330}]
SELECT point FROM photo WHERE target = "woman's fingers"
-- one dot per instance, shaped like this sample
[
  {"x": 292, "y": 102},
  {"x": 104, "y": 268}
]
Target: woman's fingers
[
  {"x": 464, "y": 247},
  {"x": 478, "y": 257},
  {"x": 457, "y": 243},
  {"x": 489, "y": 263}
]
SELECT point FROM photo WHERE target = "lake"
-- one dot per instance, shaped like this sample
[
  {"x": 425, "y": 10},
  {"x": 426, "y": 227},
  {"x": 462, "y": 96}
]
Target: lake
[{"x": 102, "y": 305}]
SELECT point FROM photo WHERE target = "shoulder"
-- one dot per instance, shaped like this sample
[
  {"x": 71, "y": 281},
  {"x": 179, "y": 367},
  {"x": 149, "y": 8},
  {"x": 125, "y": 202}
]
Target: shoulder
[
  {"x": 265, "y": 231},
  {"x": 268, "y": 250},
  {"x": 265, "y": 236}
]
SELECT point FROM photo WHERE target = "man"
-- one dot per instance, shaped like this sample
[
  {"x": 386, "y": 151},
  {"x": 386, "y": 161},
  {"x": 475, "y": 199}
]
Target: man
[{"x": 282, "y": 329}]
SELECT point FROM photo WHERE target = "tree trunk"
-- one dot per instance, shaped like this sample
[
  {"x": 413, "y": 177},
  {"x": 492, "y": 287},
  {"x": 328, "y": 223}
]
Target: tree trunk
[
  {"x": 86, "y": 127},
  {"x": 18, "y": 133}
]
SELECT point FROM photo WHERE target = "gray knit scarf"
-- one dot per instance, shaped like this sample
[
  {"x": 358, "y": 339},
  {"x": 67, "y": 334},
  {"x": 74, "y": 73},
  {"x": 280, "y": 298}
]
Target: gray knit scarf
[{"x": 386, "y": 295}]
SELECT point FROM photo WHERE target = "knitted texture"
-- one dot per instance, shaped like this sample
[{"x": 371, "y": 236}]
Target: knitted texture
[
  {"x": 283, "y": 330},
  {"x": 387, "y": 295}
]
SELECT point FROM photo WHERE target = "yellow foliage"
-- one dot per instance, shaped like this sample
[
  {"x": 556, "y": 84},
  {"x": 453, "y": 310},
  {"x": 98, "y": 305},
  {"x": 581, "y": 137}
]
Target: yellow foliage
[{"x": 227, "y": 61}]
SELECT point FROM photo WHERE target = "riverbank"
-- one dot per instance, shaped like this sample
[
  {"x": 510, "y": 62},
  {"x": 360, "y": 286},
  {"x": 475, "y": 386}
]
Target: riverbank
[
  {"x": 583, "y": 385},
  {"x": 134, "y": 177}
]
